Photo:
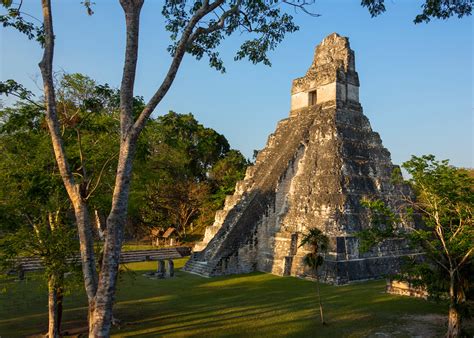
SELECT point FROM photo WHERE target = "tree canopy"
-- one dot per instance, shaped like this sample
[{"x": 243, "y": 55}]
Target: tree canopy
[
  {"x": 181, "y": 163},
  {"x": 193, "y": 170}
]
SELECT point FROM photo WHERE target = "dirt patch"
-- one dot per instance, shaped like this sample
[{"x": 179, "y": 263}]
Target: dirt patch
[
  {"x": 429, "y": 325},
  {"x": 420, "y": 326}
]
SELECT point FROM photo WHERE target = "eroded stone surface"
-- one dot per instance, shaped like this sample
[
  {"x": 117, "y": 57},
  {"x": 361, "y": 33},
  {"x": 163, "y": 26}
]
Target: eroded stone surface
[{"x": 315, "y": 169}]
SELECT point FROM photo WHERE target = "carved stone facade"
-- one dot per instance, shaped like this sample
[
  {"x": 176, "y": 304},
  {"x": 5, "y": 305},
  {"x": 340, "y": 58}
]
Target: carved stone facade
[{"x": 315, "y": 169}]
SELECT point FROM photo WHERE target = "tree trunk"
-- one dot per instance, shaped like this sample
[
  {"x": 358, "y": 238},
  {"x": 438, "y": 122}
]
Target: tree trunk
[
  {"x": 454, "y": 317},
  {"x": 86, "y": 241},
  {"x": 53, "y": 309},
  {"x": 73, "y": 189},
  {"x": 319, "y": 299},
  {"x": 454, "y": 322},
  {"x": 59, "y": 299},
  {"x": 101, "y": 320}
]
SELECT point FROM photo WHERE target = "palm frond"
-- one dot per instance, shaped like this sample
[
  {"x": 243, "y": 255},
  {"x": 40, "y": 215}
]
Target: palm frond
[{"x": 315, "y": 238}]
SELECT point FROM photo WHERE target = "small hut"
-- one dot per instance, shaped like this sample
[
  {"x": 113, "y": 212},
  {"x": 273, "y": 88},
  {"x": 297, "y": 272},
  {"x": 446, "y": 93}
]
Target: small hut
[
  {"x": 170, "y": 236},
  {"x": 164, "y": 237},
  {"x": 155, "y": 236}
]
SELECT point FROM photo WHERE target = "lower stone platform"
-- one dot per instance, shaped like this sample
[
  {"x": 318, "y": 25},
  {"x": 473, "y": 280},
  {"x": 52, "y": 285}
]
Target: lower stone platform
[{"x": 343, "y": 262}]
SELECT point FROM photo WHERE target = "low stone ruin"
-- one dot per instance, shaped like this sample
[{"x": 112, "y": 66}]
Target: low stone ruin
[
  {"x": 161, "y": 271},
  {"x": 315, "y": 169},
  {"x": 403, "y": 288}
]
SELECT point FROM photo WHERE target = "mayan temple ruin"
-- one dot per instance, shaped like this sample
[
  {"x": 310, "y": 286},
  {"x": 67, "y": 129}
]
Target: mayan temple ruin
[{"x": 313, "y": 172}]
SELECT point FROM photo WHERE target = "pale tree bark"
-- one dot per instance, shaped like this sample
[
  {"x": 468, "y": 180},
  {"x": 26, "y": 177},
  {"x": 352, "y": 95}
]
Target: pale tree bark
[
  {"x": 54, "y": 330},
  {"x": 454, "y": 317},
  {"x": 74, "y": 190},
  {"x": 55, "y": 308},
  {"x": 100, "y": 322}
]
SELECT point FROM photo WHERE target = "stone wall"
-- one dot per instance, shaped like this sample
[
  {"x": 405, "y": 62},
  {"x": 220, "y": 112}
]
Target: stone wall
[{"x": 397, "y": 287}]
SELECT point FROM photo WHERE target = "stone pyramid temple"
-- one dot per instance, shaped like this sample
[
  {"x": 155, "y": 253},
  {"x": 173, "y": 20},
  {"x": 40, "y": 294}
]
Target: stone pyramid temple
[{"x": 313, "y": 172}]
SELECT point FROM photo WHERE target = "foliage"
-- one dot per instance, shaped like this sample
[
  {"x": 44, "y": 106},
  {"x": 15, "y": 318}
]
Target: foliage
[
  {"x": 197, "y": 28},
  {"x": 11, "y": 87},
  {"x": 184, "y": 170},
  {"x": 201, "y": 147},
  {"x": 438, "y": 9},
  {"x": 445, "y": 202},
  {"x": 48, "y": 238},
  {"x": 32, "y": 190},
  {"x": 54, "y": 242},
  {"x": 88, "y": 114},
  {"x": 186, "y": 174},
  {"x": 30, "y": 185},
  {"x": 318, "y": 242},
  {"x": 266, "y": 21},
  {"x": 227, "y": 171},
  {"x": 175, "y": 204},
  {"x": 14, "y": 18}
]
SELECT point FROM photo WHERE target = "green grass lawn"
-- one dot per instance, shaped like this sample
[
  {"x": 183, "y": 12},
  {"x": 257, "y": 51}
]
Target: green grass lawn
[{"x": 253, "y": 305}]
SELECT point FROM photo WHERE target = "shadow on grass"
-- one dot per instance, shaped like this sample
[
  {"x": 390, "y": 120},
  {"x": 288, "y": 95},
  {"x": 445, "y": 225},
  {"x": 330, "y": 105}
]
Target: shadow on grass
[
  {"x": 249, "y": 305},
  {"x": 265, "y": 305}
]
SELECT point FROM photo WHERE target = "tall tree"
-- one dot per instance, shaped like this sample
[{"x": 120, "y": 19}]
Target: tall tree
[
  {"x": 197, "y": 28},
  {"x": 445, "y": 201},
  {"x": 33, "y": 204},
  {"x": 32, "y": 192},
  {"x": 54, "y": 242}
]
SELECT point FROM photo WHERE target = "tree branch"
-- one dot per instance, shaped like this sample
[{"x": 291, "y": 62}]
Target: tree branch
[
  {"x": 301, "y": 5},
  {"x": 46, "y": 67},
  {"x": 173, "y": 69},
  {"x": 85, "y": 235},
  {"x": 100, "y": 176},
  {"x": 465, "y": 258},
  {"x": 26, "y": 99},
  {"x": 81, "y": 154},
  {"x": 217, "y": 25},
  {"x": 132, "y": 10}
]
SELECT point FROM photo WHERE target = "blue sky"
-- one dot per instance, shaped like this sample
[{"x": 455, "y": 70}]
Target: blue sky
[{"x": 416, "y": 80}]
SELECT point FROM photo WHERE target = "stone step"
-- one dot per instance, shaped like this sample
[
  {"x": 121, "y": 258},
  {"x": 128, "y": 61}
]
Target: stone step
[
  {"x": 231, "y": 201},
  {"x": 237, "y": 200},
  {"x": 241, "y": 187},
  {"x": 198, "y": 268},
  {"x": 250, "y": 172},
  {"x": 199, "y": 246}
]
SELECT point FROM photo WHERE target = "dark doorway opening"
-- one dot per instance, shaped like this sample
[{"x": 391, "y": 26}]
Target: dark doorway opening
[{"x": 312, "y": 97}]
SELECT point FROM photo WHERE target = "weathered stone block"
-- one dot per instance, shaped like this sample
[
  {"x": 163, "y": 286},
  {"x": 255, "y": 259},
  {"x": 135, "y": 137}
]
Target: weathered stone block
[{"x": 315, "y": 169}]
